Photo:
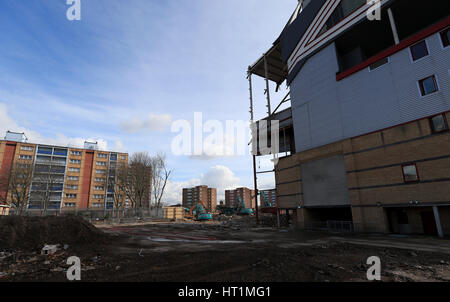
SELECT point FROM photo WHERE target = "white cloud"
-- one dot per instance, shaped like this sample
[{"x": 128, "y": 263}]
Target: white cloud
[
  {"x": 154, "y": 122},
  {"x": 213, "y": 149},
  {"x": 220, "y": 177},
  {"x": 119, "y": 147},
  {"x": 7, "y": 123}
]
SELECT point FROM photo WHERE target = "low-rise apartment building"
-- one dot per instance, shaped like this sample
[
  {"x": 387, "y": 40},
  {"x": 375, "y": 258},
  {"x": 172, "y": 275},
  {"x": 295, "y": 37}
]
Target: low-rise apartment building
[
  {"x": 233, "y": 197},
  {"x": 207, "y": 196},
  {"x": 64, "y": 178}
]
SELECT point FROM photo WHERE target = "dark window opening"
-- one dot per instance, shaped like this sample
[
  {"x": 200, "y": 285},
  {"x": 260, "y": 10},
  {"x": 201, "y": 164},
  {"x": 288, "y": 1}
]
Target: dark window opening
[
  {"x": 419, "y": 15},
  {"x": 428, "y": 85},
  {"x": 352, "y": 49},
  {"x": 410, "y": 173},
  {"x": 438, "y": 124},
  {"x": 419, "y": 50},
  {"x": 445, "y": 37}
]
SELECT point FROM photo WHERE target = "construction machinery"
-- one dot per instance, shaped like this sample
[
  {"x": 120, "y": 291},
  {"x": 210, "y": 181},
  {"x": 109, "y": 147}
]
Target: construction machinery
[
  {"x": 224, "y": 210},
  {"x": 198, "y": 212},
  {"x": 268, "y": 208},
  {"x": 241, "y": 208}
]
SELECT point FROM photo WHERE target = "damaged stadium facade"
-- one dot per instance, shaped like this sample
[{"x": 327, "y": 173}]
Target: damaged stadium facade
[{"x": 366, "y": 137}]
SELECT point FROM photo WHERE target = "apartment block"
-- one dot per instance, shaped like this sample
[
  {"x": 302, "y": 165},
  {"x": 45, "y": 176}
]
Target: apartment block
[
  {"x": 207, "y": 196},
  {"x": 245, "y": 194},
  {"x": 367, "y": 136},
  {"x": 64, "y": 178},
  {"x": 268, "y": 198}
]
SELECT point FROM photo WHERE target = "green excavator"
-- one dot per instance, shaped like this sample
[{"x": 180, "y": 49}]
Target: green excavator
[{"x": 198, "y": 212}]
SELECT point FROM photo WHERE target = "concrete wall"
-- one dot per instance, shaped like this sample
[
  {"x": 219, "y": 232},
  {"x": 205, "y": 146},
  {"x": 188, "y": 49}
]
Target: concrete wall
[
  {"x": 325, "y": 110},
  {"x": 325, "y": 182}
]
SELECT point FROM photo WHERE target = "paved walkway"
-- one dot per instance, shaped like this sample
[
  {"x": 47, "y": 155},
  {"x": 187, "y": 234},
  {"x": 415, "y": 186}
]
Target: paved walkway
[{"x": 425, "y": 244}]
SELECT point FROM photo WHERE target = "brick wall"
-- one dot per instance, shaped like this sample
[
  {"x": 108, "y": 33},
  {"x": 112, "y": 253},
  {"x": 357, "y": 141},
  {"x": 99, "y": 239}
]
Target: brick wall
[{"x": 374, "y": 172}]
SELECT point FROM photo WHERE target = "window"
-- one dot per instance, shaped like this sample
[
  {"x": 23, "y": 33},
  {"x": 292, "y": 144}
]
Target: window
[
  {"x": 100, "y": 180},
  {"x": 445, "y": 37},
  {"x": 72, "y": 187},
  {"x": 419, "y": 50},
  {"x": 113, "y": 157},
  {"x": 100, "y": 171},
  {"x": 73, "y": 178},
  {"x": 123, "y": 157},
  {"x": 26, "y": 157},
  {"x": 101, "y": 163},
  {"x": 428, "y": 85},
  {"x": 102, "y": 155},
  {"x": 71, "y": 196},
  {"x": 48, "y": 151},
  {"x": 379, "y": 64},
  {"x": 99, "y": 196},
  {"x": 75, "y": 161},
  {"x": 99, "y": 188},
  {"x": 26, "y": 148},
  {"x": 97, "y": 205},
  {"x": 70, "y": 204},
  {"x": 74, "y": 169},
  {"x": 78, "y": 153},
  {"x": 60, "y": 152},
  {"x": 438, "y": 124},
  {"x": 410, "y": 173}
]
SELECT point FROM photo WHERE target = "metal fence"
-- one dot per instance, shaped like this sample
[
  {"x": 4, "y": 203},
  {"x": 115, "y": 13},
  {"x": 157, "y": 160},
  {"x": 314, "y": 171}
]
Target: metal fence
[
  {"x": 332, "y": 225},
  {"x": 101, "y": 215}
]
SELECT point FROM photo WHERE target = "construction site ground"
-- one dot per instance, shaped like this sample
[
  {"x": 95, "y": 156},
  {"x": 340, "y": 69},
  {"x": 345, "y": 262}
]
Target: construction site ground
[{"x": 232, "y": 251}]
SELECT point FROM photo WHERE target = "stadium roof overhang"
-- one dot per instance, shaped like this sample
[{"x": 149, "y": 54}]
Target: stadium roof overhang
[{"x": 270, "y": 65}]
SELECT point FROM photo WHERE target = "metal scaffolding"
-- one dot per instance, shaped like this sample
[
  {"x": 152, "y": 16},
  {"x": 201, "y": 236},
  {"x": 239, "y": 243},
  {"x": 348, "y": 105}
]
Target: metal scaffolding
[{"x": 270, "y": 67}]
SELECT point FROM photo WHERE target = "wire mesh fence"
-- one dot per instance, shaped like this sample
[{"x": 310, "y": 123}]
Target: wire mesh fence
[
  {"x": 332, "y": 225},
  {"x": 101, "y": 215}
]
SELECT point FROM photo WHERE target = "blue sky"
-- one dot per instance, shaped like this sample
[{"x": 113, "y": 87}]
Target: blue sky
[{"x": 128, "y": 68}]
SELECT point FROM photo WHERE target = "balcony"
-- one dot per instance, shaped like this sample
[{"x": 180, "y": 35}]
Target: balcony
[{"x": 47, "y": 151}]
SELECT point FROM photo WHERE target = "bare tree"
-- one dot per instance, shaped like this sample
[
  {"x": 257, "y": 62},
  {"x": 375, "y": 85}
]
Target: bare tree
[
  {"x": 139, "y": 180},
  {"x": 15, "y": 186},
  {"x": 4, "y": 187},
  {"x": 160, "y": 177},
  {"x": 119, "y": 186}
]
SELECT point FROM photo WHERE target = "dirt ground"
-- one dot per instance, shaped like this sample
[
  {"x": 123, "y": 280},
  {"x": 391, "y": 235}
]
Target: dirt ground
[{"x": 230, "y": 251}]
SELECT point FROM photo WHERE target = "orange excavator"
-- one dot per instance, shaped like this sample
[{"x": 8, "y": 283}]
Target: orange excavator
[{"x": 198, "y": 212}]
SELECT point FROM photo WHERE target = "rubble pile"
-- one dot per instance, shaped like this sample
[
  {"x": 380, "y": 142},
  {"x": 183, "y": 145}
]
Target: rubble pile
[
  {"x": 237, "y": 222},
  {"x": 30, "y": 233}
]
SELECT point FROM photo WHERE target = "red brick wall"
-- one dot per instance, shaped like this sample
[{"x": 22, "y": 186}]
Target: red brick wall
[
  {"x": 7, "y": 162},
  {"x": 86, "y": 182}
]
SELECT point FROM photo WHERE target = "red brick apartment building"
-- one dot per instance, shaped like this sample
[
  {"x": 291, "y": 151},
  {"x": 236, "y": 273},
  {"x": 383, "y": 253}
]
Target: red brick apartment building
[
  {"x": 78, "y": 179},
  {"x": 207, "y": 196},
  {"x": 246, "y": 194}
]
